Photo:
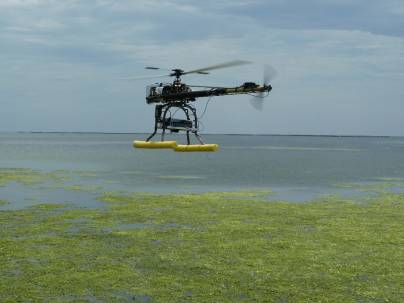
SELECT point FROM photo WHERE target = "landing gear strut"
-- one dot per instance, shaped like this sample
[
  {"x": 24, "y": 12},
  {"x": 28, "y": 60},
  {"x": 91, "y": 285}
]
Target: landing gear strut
[{"x": 164, "y": 121}]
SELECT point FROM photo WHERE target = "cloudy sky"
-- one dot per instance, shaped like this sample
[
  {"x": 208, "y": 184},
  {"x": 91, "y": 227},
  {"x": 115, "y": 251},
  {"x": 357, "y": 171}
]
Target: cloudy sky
[{"x": 340, "y": 63}]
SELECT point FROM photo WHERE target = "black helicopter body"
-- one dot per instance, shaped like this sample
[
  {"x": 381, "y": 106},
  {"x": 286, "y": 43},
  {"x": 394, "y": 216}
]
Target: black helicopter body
[{"x": 178, "y": 95}]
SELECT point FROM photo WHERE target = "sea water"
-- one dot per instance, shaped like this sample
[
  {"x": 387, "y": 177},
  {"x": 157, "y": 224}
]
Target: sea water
[{"x": 294, "y": 167}]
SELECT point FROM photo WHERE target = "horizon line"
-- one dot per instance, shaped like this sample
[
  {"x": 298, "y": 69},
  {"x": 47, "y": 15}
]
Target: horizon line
[{"x": 208, "y": 134}]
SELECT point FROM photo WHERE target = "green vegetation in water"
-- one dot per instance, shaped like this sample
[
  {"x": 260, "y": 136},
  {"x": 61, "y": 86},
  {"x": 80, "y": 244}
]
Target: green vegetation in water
[
  {"x": 379, "y": 187},
  {"x": 86, "y": 173},
  {"x": 80, "y": 173},
  {"x": 28, "y": 176},
  {"x": 180, "y": 177},
  {"x": 79, "y": 187},
  {"x": 219, "y": 247},
  {"x": 389, "y": 179},
  {"x": 3, "y": 202}
]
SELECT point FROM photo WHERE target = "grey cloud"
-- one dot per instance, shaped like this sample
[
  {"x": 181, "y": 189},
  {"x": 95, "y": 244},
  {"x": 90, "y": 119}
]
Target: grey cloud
[
  {"x": 332, "y": 56},
  {"x": 382, "y": 17}
]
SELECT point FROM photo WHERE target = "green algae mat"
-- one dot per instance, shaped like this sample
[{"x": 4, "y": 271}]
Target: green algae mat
[{"x": 218, "y": 247}]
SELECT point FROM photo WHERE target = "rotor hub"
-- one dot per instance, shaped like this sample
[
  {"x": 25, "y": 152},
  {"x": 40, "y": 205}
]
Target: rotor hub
[{"x": 177, "y": 72}]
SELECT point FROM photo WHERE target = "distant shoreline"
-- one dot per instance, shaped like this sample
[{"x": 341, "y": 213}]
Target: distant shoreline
[{"x": 206, "y": 134}]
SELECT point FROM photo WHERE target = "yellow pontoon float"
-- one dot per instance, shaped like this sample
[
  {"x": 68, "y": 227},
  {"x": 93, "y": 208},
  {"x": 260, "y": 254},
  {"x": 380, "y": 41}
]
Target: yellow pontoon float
[
  {"x": 197, "y": 148},
  {"x": 155, "y": 144},
  {"x": 176, "y": 147}
]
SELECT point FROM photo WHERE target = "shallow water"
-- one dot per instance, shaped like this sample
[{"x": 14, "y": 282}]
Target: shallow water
[
  {"x": 22, "y": 196},
  {"x": 296, "y": 168}
]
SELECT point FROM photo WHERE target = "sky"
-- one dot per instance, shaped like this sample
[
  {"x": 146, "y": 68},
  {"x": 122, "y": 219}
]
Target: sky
[{"x": 340, "y": 63}]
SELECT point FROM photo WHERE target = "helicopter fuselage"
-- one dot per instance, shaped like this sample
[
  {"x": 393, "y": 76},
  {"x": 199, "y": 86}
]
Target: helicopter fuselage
[{"x": 180, "y": 92}]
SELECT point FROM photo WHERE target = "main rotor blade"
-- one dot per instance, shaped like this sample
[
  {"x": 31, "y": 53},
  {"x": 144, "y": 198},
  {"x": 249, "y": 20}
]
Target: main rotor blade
[
  {"x": 144, "y": 77},
  {"x": 217, "y": 66},
  {"x": 158, "y": 68}
]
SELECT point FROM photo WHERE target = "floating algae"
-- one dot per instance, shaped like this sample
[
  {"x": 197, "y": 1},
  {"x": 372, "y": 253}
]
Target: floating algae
[
  {"x": 371, "y": 187},
  {"x": 26, "y": 187},
  {"x": 3, "y": 202},
  {"x": 81, "y": 187},
  {"x": 28, "y": 176},
  {"x": 216, "y": 250},
  {"x": 168, "y": 177},
  {"x": 86, "y": 173},
  {"x": 389, "y": 179}
]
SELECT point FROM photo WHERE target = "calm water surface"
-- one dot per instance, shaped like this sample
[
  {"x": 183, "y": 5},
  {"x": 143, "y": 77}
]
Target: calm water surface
[{"x": 295, "y": 167}]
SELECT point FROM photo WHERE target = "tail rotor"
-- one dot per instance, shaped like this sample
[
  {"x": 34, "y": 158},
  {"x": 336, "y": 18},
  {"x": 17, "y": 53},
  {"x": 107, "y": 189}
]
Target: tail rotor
[{"x": 258, "y": 100}]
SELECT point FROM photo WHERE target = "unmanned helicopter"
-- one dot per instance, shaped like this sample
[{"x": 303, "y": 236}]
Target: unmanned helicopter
[{"x": 178, "y": 96}]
